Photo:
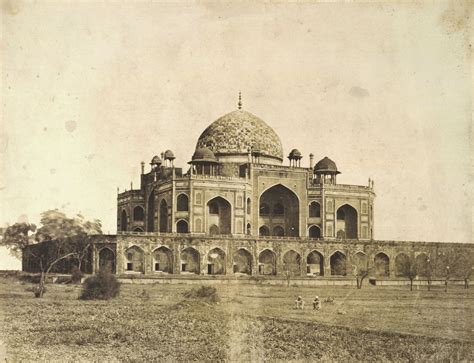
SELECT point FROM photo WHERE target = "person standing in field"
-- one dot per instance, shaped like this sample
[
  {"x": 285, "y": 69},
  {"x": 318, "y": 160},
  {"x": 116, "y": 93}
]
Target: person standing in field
[{"x": 316, "y": 303}]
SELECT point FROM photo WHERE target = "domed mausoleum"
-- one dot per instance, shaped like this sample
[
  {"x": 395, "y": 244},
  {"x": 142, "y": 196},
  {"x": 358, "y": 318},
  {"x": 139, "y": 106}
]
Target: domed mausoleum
[{"x": 236, "y": 186}]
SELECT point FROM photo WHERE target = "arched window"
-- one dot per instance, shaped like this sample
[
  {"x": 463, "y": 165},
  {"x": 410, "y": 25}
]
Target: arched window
[
  {"x": 249, "y": 206},
  {"x": 314, "y": 232},
  {"x": 138, "y": 213},
  {"x": 278, "y": 231},
  {"x": 264, "y": 209},
  {"x": 135, "y": 259},
  {"x": 123, "y": 221},
  {"x": 263, "y": 231},
  {"x": 163, "y": 216},
  {"x": 182, "y": 203},
  {"x": 182, "y": 226},
  {"x": 248, "y": 228},
  {"x": 150, "y": 227},
  {"x": 338, "y": 264},
  {"x": 214, "y": 229},
  {"x": 314, "y": 210}
]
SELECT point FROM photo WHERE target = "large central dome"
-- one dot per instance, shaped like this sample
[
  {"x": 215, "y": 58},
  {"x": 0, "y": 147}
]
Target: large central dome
[{"x": 236, "y": 132}]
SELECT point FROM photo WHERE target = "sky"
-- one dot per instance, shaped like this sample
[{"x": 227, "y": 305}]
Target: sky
[{"x": 89, "y": 90}]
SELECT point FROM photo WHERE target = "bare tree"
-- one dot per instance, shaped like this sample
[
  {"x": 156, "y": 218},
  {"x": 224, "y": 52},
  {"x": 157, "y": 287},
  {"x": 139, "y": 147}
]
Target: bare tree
[
  {"x": 453, "y": 263},
  {"x": 406, "y": 267},
  {"x": 49, "y": 253}
]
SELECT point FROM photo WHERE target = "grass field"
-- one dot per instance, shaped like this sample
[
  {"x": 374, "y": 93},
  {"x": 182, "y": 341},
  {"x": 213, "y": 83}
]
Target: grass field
[{"x": 251, "y": 322}]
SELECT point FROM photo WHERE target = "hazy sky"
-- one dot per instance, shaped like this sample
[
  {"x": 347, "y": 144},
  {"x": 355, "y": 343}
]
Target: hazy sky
[{"x": 90, "y": 90}]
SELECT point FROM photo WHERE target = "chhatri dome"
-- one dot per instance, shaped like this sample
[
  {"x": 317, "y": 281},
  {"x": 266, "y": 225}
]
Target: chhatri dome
[{"x": 233, "y": 135}]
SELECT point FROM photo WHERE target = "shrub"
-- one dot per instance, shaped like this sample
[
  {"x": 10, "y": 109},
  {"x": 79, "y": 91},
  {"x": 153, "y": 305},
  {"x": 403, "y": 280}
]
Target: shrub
[
  {"x": 76, "y": 275},
  {"x": 102, "y": 286},
  {"x": 207, "y": 293}
]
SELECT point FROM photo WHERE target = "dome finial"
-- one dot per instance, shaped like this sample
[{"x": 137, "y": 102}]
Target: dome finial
[{"x": 240, "y": 101}]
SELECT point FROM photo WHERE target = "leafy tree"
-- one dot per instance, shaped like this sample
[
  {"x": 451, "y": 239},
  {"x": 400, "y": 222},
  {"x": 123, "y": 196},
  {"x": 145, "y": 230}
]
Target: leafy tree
[
  {"x": 17, "y": 236},
  {"x": 62, "y": 237}
]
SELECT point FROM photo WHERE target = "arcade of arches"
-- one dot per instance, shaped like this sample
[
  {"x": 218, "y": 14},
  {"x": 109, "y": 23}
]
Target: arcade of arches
[{"x": 264, "y": 260}]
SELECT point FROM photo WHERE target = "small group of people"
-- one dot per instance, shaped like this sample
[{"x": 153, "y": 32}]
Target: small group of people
[{"x": 299, "y": 302}]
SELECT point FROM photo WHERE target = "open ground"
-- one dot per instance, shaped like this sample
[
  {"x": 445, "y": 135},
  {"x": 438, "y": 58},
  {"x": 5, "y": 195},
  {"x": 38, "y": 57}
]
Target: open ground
[{"x": 250, "y": 322}]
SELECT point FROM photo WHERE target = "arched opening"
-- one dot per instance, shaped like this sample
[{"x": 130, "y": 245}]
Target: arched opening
[
  {"x": 134, "y": 257},
  {"x": 346, "y": 222},
  {"x": 360, "y": 262},
  {"x": 214, "y": 229},
  {"x": 314, "y": 210},
  {"x": 423, "y": 267},
  {"x": 338, "y": 264},
  {"x": 382, "y": 265},
  {"x": 278, "y": 231},
  {"x": 315, "y": 264},
  {"x": 107, "y": 260},
  {"x": 138, "y": 214},
  {"x": 182, "y": 204},
  {"x": 150, "y": 225},
  {"x": 123, "y": 221},
  {"x": 182, "y": 226},
  {"x": 216, "y": 262},
  {"x": 263, "y": 231},
  {"x": 292, "y": 263},
  {"x": 249, "y": 230},
  {"x": 280, "y": 206},
  {"x": 219, "y": 214},
  {"x": 163, "y": 216},
  {"x": 249, "y": 206},
  {"x": 190, "y": 261},
  {"x": 402, "y": 265},
  {"x": 242, "y": 262},
  {"x": 267, "y": 263},
  {"x": 314, "y": 232},
  {"x": 163, "y": 260},
  {"x": 137, "y": 229}
]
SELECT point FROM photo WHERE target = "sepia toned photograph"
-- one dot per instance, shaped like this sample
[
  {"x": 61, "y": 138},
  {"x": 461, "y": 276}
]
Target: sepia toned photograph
[{"x": 236, "y": 181}]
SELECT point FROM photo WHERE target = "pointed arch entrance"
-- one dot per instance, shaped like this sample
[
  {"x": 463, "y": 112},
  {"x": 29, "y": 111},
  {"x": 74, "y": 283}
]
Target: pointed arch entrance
[
  {"x": 346, "y": 222},
  {"x": 163, "y": 260},
  {"x": 315, "y": 264},
  {"x": 219, "y": 216},
  {"x": 292, "y": 263},
  {"x": 216, "y": 262},
  {"x": 107, "y": 260},
  {"x": 267, "y": 263},
  {"x": 279, "y": 206},
  {"x": 190, "y": 261},
  {"x": 163, "y": 216},
  {"x": 382, "y": 265},
  {"x": 123, "y": 221},
  {"x": 242, "y": 261},
  {"x": 338, "y": 264},
  {"x": 150, "y": 225}
]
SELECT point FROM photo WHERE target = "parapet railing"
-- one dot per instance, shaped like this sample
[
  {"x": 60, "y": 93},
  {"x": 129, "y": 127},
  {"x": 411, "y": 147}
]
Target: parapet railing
[{"x": 227, "y": 236}]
